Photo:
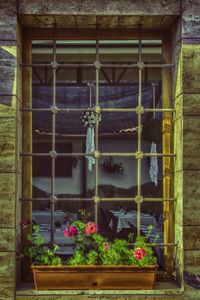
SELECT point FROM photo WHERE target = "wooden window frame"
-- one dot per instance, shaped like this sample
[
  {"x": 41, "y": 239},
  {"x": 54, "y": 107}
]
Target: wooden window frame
[{"x": 28, "y": 36}]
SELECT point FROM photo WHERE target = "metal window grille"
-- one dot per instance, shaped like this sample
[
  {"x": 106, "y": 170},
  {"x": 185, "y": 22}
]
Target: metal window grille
[{"x": 139, "y": 155}]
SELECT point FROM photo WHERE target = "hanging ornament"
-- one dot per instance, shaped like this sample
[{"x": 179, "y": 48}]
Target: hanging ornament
[
  {"x": 88, "y": 119},
  {"x": 153, "y": 171}
]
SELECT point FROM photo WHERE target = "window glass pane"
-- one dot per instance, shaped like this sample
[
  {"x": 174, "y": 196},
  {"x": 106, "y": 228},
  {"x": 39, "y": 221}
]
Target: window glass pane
[
  {"x": 118, "y": 132},
  {"x": 118, "y": 177},
  {"x": 42, "y": 51}
]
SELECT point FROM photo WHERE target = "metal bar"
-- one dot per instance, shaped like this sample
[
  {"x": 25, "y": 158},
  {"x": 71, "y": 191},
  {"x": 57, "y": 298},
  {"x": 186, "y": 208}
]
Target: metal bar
[
  {"x": 58, "y": 109},
  {"x": 57, "y": 154},
  {"x": 35, "y": 65},
  {"x": 159, "y": 65},
  {"x": 102, "y": 154},
  {"x": 101, "y": 199},
  {"x": 118, "y": 154},
  {"x": 128, "y": 66},
  {"x": 118, "y": 199},
  {"x": 129, "y": 244},
  {"x": 102, "y": 109},
  {"x": 160, "y": 199},
  {"x": 114, "y": 66},
  {"x": 58, "y": 65},
  {"x": 159, "y": 154},
  {"x": 53, "y": 138},
  {"x": 97, "y": 127},
  {"x": 104, "y": 65},
  {"x": 157, "y": 244},
  {"x": 159, "y": 110},
  {"x": 139, "y": 134},
  {"x": 132, "y": 66}
]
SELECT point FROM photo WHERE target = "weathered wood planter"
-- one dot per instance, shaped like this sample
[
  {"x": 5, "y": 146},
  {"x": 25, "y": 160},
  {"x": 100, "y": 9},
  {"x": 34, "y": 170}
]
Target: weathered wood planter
[{"x": 93, "y": 277}]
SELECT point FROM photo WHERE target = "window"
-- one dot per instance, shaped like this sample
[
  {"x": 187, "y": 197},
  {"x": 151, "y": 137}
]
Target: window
[{"x": 123, "y": 83}]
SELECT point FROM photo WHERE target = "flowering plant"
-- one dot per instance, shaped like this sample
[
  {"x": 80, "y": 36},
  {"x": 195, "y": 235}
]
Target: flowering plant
[{"x": 94, "y": 249}]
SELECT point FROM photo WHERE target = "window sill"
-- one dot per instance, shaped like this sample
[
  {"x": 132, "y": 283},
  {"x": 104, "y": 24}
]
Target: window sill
[{"x": 161, "y": 288}]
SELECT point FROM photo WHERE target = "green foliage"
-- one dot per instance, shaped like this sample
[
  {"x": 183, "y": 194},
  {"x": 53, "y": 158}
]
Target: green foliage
[
  {"x": 40, "y": 254},
  {"x": 94, "y": 249}
]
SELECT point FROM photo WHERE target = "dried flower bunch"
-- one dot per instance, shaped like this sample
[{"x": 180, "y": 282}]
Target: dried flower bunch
[{"x": 88, "y": 118}]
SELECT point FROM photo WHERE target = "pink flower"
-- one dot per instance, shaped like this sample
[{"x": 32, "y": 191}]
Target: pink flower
[
  {"x": 25, "y": 223},
  {"x": 90, "y": 228},
  {"x": 139, "y": 253},
  {"x": 70, "y": 231},
  {"x": 106, "y": 246}
]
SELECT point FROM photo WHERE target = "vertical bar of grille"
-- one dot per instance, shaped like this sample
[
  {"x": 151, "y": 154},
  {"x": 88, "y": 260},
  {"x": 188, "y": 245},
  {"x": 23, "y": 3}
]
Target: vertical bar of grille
[
  {"x": 139, "y": 134},
  {"x": 97, "y": 125},
  {"x": 53, "y": 138}
]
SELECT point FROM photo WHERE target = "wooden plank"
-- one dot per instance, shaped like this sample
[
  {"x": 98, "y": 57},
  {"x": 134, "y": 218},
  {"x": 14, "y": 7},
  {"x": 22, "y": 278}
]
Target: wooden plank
[
  {"x": 84, "y": 34},
  {"x": 167, "y": 161},
  {"x": 26, "y": 147}
]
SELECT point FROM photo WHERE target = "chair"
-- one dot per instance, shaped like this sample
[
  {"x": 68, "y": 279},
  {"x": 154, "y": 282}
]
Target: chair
[
  {"x": 123, "y": 234},
  {"x": 105, "y": 218}
]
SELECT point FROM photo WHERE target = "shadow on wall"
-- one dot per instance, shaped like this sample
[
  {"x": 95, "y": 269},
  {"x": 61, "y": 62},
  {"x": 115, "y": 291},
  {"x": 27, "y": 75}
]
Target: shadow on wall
[{"x": 8, "y": 73}]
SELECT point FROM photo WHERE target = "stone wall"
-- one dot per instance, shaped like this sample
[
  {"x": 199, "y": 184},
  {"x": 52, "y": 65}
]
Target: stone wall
[
  {"x": 186, "y": 97},
  {"x": 10, "y": 98}
]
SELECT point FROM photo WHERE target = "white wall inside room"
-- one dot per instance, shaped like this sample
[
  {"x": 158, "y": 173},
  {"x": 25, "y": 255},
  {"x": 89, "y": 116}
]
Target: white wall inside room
[
  {"x": 129, "y": 177},
  {"x": 64, "y": 185},
  {"x": 73, "y": 185}
]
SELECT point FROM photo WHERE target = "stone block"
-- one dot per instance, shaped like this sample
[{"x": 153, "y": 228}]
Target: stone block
[
  {"x": 191, "y": 104},
  {"x": 191, "y": 26},
  {"x": 7, "y": 145},
  {"x": 191, "y": 68},
  {"x": 8, "y": 20},
  {"x": 7, "y": 275},
  {"x": 9, "y": 106},
  {"x": 191, "y": 192},
  {"x": 191, "y": 19},
  {"x": 178, "y": 194},
  {"x": 192, "y": 261},
  {"x": 7, "y": 200},
  {"x": 7, "y": 239},
  {"x": 84, "y": 7},
  {"x": 8, "y": 80},
  {"x": 191, "y": 163},
  {"x": 191, "y": 237},
  {"x": 190, "y": 7},
  {"x": 191, "y": 133}
]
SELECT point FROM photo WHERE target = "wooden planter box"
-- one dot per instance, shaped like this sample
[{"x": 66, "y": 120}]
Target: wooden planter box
[{"x": 93, "y": 277}]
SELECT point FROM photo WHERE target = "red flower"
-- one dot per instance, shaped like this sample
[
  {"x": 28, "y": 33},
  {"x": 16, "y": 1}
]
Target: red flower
[
  {"x": 70, "y": 231},
  {"x": 139, "y": 253},
  {"x": 25, "y": 223},
  {"x": 106, "y": 246},
  {"x": 90, "y": 228}
]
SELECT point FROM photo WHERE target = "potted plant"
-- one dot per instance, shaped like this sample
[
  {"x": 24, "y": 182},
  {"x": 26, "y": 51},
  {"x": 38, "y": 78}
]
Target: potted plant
[{"x": 96, "y": 262}]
